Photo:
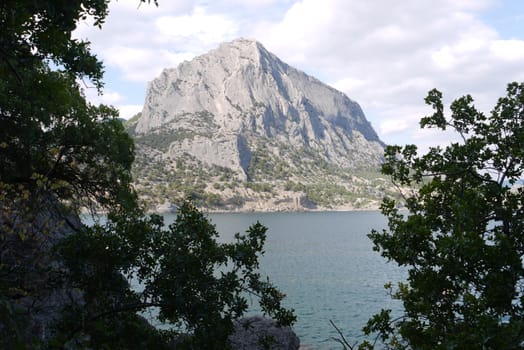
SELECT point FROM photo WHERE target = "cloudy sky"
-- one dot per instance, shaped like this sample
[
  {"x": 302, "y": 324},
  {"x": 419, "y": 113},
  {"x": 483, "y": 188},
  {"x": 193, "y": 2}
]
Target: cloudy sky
[{"x": 384, "y": 54}]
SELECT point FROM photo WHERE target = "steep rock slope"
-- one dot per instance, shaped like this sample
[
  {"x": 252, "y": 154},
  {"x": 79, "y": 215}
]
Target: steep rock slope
[{"x": 251, "y": 128}]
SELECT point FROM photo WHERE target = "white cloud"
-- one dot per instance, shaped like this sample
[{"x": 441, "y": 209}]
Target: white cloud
[
  {"x": 111, "y": 98},
  {"x": 142, "y": 64},
  {"x": 115, "y": 99},
  {"x": 393, "y": 126},
  {"x": 388, "y": 56},
  {"x": 348, "y": 83},
  {"x": 107, "y": 98},
  {"x": 508, "y": 50},
  {"x": 207, "y": 29},
  {"x": 400, "y": 120},
  {"x": 444, "y": 58},
  {"x": 128, "y": 111},
  {"x": 140, "y": 42},
  {"x": 384, "y": 55},
  {"x": 252, "y": 3}
]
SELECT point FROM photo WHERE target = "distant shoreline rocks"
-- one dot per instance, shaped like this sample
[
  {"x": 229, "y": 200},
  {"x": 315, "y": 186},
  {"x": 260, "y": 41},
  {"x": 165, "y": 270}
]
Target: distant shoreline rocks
[{"x": 172, "y": 208}]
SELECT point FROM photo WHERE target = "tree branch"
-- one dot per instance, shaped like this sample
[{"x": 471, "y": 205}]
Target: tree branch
[{"x": 5, "y": 58}]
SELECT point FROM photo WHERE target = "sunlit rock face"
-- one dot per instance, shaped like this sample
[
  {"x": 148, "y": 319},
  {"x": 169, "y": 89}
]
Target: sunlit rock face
[{"x": 222, "y": 106}]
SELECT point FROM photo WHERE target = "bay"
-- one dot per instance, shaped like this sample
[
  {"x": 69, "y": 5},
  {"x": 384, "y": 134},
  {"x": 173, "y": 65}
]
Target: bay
[{"x": 324, "y": 263}]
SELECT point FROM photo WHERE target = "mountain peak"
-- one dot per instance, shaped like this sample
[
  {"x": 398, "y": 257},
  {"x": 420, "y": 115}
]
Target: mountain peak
[
  {"x": 221, "y": 104},
  {"x": 240, "y": 116},
  {"x": 247, "y": 48},
  {"x": 242, "y": 44},
  {"x": 241, "y": 52}
]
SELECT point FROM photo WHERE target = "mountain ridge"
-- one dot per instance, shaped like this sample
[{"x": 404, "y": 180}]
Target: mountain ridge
[{"x": 242, "y": 111}]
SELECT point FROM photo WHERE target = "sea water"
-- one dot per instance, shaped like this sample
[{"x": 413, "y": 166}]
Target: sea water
[{"x": 325, "y": 264}]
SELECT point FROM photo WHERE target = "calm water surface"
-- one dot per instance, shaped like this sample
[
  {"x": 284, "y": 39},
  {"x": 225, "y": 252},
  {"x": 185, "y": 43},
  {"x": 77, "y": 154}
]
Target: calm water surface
[{"x": 324, "y": 263}]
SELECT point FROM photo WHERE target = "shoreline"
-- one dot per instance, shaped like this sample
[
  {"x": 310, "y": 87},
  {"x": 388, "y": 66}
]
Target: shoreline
[
  {"x": 324, "y": 210},
  {"x": 270, "y": 211},
  {"x": 258, "y": 208}
]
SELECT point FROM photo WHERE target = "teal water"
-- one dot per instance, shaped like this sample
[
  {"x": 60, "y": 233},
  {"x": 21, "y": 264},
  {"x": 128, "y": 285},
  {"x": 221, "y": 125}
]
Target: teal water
[{"x": 324, "y": 263}]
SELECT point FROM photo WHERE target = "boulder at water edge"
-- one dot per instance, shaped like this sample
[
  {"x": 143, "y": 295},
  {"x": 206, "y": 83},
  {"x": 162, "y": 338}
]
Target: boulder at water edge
[{"x": 259, "y": 333}]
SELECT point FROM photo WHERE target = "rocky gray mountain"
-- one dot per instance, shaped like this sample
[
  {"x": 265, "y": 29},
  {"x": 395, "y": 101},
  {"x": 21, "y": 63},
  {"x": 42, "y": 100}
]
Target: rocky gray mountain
[{"x": 237, "y": 128}]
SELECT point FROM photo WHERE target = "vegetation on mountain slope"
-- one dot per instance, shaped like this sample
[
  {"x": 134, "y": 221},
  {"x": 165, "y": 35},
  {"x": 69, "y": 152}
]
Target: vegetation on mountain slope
[{"x": 278, "y": 177}]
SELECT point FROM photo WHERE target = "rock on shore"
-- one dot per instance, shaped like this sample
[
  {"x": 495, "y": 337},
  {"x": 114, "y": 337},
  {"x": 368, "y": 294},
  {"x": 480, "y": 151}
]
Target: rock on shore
[{"x": 259, "y": 333}]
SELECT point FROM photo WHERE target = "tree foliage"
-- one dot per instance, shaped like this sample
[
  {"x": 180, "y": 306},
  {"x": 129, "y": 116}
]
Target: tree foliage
[
  {"x": 46, "y": 126},
  {"x": 197, "y": 285},
  {"x": 461, "y": 238},
  {"x": 67, "y": 285}
]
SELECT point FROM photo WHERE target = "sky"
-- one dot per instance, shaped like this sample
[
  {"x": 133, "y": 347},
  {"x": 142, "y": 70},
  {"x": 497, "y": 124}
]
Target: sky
[{"x": 386, "y": 55}]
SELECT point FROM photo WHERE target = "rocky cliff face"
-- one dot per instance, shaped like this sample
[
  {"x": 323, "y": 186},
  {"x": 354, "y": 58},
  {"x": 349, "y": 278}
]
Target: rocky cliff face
[{"x": 241, "y": 110}]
